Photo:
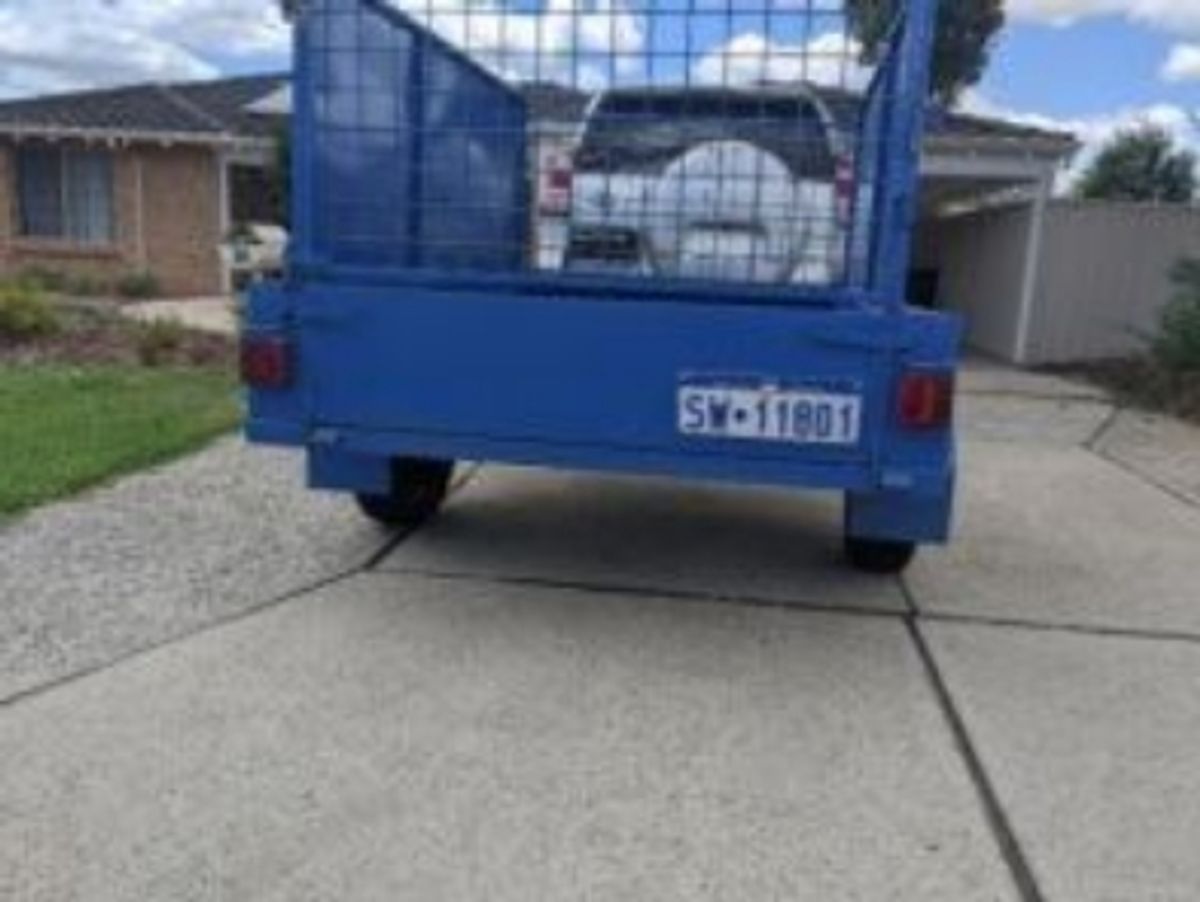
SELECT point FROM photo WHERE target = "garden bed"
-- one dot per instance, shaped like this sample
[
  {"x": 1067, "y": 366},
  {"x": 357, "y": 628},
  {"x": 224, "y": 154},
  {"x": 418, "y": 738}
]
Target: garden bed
[
  {"x": 1145, "y": 383},
  {"x": 1165, "y": 379}
]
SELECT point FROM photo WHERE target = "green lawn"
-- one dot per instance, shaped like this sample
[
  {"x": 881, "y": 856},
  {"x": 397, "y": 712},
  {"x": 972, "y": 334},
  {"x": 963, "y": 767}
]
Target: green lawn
[{"x": 64, "y": 428}]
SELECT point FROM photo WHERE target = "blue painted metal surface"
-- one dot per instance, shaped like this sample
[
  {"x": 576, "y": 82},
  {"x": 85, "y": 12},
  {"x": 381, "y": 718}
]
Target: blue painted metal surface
[
  {"x": 421, "y": 331},
  {"x": 411, "y": 156}
]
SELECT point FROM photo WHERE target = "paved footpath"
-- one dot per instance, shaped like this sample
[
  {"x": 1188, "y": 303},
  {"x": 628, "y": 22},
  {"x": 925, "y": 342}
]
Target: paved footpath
[{"x": 215, "y": 685}]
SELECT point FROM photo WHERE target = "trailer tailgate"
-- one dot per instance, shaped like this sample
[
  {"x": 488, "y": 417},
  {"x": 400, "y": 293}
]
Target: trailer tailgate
[{"x": 645, "y": 374}]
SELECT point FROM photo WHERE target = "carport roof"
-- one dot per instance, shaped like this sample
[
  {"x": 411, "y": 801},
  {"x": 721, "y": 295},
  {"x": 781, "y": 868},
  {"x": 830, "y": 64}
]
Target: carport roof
[{"x": 962, "y": 130}]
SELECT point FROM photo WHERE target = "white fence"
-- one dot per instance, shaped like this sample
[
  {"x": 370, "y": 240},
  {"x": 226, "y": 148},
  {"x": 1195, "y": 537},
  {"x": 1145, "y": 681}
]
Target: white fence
[{"x": 1100, "y": 275}]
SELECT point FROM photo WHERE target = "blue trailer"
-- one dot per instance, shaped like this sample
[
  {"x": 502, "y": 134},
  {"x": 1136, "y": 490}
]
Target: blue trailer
[{"x": 703, "y": 278}]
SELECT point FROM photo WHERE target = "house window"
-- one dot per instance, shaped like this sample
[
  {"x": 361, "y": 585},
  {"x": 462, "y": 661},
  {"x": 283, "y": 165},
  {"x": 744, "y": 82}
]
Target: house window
[{"x": 66, "y": 193}]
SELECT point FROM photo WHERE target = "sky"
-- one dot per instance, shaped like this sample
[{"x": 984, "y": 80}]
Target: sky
[
  {"x": 1096, "y": 66},
  {"x": 1090, "y": 66}
]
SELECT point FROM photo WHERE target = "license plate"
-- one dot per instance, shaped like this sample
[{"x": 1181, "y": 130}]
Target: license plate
[{"x": 769, "y": 414}]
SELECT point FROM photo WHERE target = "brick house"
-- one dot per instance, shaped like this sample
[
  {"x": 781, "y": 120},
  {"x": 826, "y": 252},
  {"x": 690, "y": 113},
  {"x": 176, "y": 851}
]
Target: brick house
[{"x": 149, "y": 178}]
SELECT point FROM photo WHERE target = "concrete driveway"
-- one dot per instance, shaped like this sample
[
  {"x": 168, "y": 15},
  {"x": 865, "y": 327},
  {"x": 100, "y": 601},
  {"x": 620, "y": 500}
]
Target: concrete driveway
[{"x": 214, "y": 685}]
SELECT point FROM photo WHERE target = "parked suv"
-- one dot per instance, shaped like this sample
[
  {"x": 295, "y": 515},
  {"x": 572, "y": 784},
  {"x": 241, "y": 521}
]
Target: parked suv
[{"x": 733, "y": 184}]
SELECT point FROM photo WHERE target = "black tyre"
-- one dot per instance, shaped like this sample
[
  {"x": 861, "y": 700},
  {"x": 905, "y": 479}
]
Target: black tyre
[
  {"x": 419, "y": 487},
  {"x": 878, "y": 556}
]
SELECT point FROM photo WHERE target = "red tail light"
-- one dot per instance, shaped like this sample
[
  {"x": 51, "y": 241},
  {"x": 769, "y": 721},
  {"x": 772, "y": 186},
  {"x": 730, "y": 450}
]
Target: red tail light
[
  {"x": 558, "y": 183},
  {"x": 844, "y": 189},
  {"x": 926, "y": 399},
  {"x": 267, "y": 361},
  {"x": 561, "y": 179}
]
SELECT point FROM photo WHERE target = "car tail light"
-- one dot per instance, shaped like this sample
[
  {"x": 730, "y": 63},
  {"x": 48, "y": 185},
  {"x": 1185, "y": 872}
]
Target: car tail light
[
  {"x": 267, "y": 361},
  {"x": 844, "y": 189},
  {"x": 559, "y": 183},
  {"x": 926, "y": 399},
  {"x": 561, "y": 179}
]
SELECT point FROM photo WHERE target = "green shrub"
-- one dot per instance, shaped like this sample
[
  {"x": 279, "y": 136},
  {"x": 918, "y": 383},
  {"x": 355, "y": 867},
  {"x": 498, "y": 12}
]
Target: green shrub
[
  {"x": 139, "y": 286},
  {"x": 26, "y": 312},
  {"x": 87, "y": 287},
  {"x": 51, "y": 280},
  {"x": 1178, "y": 345},
  {"x": 59, "y": 282},
  {"x": 159, "y": 342}
]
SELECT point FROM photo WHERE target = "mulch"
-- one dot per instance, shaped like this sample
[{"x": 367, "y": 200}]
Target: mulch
[{"x": 94, "y": 334}]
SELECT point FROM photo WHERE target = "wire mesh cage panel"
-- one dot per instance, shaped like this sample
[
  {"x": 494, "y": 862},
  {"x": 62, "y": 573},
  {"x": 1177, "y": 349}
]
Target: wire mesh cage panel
[{"x": 736, "y": 142}]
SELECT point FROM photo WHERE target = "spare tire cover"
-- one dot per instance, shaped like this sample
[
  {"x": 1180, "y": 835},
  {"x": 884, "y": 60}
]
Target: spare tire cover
[{"x": 726, "y": 210}]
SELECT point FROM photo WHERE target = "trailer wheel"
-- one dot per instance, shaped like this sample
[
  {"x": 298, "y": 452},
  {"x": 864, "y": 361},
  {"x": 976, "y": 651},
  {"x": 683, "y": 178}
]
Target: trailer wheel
[
  {"x": 419, "y": 487},
  {"x": 878, "y": 556}
]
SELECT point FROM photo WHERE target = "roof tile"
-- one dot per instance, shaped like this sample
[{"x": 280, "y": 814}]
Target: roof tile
[
  {"x": 195, "y": 108},
  {"x": 223, "y": 107}
]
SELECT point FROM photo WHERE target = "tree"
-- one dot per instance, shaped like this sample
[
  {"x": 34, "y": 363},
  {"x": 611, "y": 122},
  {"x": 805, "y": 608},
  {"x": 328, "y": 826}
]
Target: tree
[
  {"x": 1141, "y": 164},
  {"x": 965, "y": 32},
  {"x": 1178, "y": 345}
]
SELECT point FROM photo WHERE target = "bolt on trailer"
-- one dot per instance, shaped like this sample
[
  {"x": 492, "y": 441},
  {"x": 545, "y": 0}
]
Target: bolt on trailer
[{"x": 641, "y": 236}]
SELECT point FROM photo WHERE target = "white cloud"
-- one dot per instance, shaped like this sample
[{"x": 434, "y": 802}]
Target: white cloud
[
  {"x": 72, "y": 44},
  {"x": 830, "y": 59},
  {"x": 581, "y": 41},
  {"x": 1183, "y": 63},
  {"x": 1094, "y": 132},
  {"x": 232, "y": 27},
  {"x": 1182, "y": 16},
  {"x": 1174, "y": 16}
]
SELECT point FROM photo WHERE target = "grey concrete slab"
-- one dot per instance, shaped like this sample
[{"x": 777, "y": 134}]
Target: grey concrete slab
[
  {"x": 1030, "y": 421},
  {"x": 1162, "y": 449},
  {"x": 1091, "y": 744},
  {"x": 403, "y": 738},
  {"x": 1060, "y": 536},
  {"x": 161, "y": 553},
  {"x": 982, "y": 376},
  {"x": 646, "y": 534}
]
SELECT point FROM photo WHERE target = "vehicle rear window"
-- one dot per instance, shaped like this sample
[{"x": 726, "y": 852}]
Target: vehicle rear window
[{"x": 632, "y": 132}]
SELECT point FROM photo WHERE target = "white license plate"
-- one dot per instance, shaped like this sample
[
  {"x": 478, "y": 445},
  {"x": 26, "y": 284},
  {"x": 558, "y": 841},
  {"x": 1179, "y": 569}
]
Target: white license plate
[{"x": 766, "y": 414}]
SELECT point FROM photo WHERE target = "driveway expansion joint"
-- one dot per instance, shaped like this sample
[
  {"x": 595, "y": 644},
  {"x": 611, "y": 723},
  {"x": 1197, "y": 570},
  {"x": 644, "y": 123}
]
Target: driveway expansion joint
[
  {"x": 912, "y": 611},
  {"x": 663, "y": 593},
  {"x": 1093, "y": 446},
  {"x": 365, "y": 566},
  {"x": 400, "y": 537},
  {"x": 68, "y": 679},
  {"x": 1144, "y": 477},
  {"x": 1093, "y": 442},
  {"x": 393, "y": 542},
  {"x": 1094, "y": 631},
  {"x": 1040, "y": 397},
  {"x": 998, "y": 821},
  {"x": 911, "y": 616}
]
